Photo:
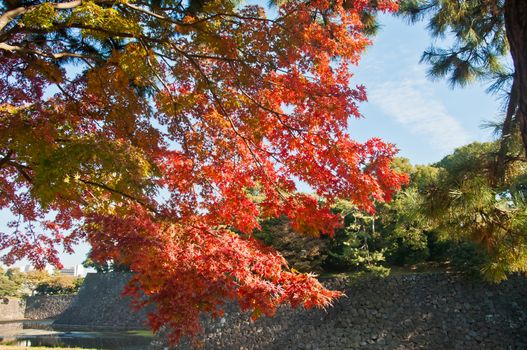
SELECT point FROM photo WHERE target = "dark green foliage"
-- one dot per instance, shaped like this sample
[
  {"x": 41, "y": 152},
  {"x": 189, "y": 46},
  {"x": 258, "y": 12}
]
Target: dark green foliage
[
  {"x": 354, "y": 245},
  {"x": 440, "y": 249},
  {"x": 402, "y": 253},
  {"x": 406, "y": 232},
  {"x": 104, "y": 267},
  {"x": 59, "y": 286},
  {"x": 451, "y": 212},
  {"x": 302, "y": 252},
  {"x": 398, "y": 234},
  {"x": 265, "y": 234},
  {"x": 469, "y": 257}
]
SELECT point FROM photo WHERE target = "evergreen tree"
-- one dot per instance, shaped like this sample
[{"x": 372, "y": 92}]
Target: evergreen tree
[
  {"x": 485, "y": 34},
  {"x": 8, "y": 287},
  {"x": 463, "y": 204}
]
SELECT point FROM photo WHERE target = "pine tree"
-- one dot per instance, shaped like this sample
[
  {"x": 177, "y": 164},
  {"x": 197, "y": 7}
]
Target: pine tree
[{"x": 484, "y": 35}]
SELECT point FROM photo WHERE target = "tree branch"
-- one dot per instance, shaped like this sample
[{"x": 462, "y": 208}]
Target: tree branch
[
  {"x": 21, "y": 169},
  {"x": 12, "y": 14},
  {"x": 6, "y": 158},
  {"x": 12, "y": 48},
  {"x": 123, "y": 194}
]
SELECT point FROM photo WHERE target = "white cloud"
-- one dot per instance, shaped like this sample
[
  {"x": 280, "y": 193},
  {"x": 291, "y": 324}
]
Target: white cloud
[{"x": 412, "y": 103}]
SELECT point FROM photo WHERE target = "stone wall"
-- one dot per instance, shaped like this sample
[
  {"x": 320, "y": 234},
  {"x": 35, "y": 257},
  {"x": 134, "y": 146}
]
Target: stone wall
[
  {"x": 425, "y": 311},
  {"x": 421, "y": 311},
  {"x": 11, "y": 309},
  {"x": 100, "y": 304},
  {"x": 33, "y": 308},
  {"x": 41, "y": 307}
]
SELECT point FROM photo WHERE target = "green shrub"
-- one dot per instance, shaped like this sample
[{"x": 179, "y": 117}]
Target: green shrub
[
  {"x": 469, "y": 257},
  {"x": 58, "y": 285},
  {"x": 302, "y": 252}
]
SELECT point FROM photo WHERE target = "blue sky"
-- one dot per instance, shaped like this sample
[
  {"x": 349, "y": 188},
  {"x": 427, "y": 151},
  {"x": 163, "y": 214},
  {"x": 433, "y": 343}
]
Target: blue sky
[{"x": 425, "y": 119}]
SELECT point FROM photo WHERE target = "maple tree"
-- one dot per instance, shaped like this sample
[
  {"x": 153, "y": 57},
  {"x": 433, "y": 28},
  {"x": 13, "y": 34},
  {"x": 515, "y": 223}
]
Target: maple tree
[{"x": 161, "y": 131}]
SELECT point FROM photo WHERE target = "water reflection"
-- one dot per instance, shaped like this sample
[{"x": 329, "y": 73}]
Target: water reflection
[{"x": 43, "y": 333}]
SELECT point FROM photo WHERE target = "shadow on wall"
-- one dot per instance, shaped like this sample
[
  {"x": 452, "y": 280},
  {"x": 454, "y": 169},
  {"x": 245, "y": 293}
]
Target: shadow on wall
[
  {"x": 99, "y": 304},
  {"x": 41, "y": 307},
  {"x": 38, "y": 307}
]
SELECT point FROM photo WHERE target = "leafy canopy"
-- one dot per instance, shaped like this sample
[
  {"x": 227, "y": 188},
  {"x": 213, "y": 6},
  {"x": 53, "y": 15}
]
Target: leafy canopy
[
  {"x": 464, "y": 204},
  {"x": 147, "y": 127}
]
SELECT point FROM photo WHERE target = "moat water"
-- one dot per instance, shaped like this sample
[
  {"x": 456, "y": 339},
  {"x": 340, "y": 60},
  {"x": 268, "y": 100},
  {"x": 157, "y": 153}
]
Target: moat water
[{"x": 43, "y": 333}]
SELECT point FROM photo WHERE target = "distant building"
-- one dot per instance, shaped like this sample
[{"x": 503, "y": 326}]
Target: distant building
[
  {"x": 74, "y": 271},
  {"x": 28, "y": 268}
]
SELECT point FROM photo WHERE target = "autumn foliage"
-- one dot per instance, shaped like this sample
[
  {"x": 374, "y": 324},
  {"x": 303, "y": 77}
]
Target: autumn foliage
[{"x": 161, "y": 132}]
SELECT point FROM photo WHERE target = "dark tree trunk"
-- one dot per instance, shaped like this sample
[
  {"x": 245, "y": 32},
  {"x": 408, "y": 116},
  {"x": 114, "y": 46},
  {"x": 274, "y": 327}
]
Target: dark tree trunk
[
  {"x": 515, "y": 12},
  {"x": 506, "y": 133}
]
